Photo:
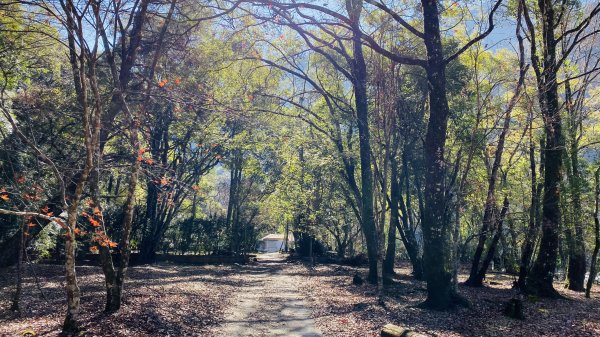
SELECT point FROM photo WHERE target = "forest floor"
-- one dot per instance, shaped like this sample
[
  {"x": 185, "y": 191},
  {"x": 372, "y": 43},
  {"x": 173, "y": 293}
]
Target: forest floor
[
  {"x": 274, "y": 298},
  {"x": 159, "y": 300},
  {"x": 343, "y": 309}
]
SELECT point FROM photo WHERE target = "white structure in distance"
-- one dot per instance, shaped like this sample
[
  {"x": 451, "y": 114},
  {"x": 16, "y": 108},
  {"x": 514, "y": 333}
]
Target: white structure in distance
[{"x": 274, "y": 243}]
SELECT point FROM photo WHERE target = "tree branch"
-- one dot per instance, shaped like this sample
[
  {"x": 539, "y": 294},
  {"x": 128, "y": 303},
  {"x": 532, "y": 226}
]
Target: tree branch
[{"x": 480, "y": 37}]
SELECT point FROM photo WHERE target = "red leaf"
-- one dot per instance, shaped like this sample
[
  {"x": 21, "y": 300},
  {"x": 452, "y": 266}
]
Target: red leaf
[{"x": 94, "y": 222}]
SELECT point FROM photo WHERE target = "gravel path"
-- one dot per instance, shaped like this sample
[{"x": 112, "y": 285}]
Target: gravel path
[{"x": 268, "y": 303}]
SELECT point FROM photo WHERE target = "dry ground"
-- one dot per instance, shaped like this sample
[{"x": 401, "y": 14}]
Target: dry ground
[
  {"x": 268, "y": 304},
  {"x": 169, "y": 300},
  {"x": 343, "y": 309},
  {"x": 161, "y": 300}
]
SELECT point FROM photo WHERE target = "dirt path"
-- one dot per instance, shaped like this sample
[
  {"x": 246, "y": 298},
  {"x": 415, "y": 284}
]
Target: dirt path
[{"x": 268, "y": 304}]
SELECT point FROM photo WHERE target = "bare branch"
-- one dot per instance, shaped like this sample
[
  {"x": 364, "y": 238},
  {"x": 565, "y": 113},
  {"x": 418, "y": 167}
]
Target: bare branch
[
  {"x": 480, "y": 36},
  {"x": 396, "y": 17}
]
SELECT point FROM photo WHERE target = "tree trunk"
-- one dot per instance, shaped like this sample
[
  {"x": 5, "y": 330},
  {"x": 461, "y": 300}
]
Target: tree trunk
[
  {"x": 542, "y": 274},
  {"x": 233, "y": 203},
  {"x": 534, "y": 212},
  {"x": 91, "y": 130},
  {"x": 159, "y": 148},
  {"x": 407, "y": 235},
  {"x": 512, "y": 257},
  {"x": 19, "y": 284},
  {"x": 594, "y": 260},
  {"x": 577, "y": 264},
  {"x": 390, "y": 256},
  {"x": 108, "y": 269},
  {"x": 488, "y": 217},
  {"x": 475, "y": 279},
  {"x": 437, "y": 258},
  {"x": 359, "y": 72},
  {"x": 540, "y": 280},
  {"x": 480, "y": 276},
  {"x": 286, "y": 238},
  {"x": 71, "y": 322},
  {"x": 115, "y": 281}
]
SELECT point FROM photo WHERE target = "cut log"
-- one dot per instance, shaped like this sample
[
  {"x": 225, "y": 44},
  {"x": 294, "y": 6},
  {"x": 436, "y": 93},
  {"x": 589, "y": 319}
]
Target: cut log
[{"x": 391, "y": 330}]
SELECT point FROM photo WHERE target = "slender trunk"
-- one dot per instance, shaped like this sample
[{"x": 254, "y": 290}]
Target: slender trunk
[
  {"x": 456, "y": 240},
  {"x": 407, "y": 236},
  {"x": 286, "y": 237},
  {"x": 390, "y": 256},
  {"x": 155, "y": 204},
  {"x": 91, "y": 129},
  {"x": 115, "y": 279},
  {"x": 359, "y": 72},
  {"x": 488, "y": 219},
  {"x": 159, "y": 142},
  {"x": 577, "y": 263},
  {"x": 125, "y": 236},
  {"x": 527, "y": 251},
  {"x": 511, "y": 261},
  {"x": 594, "y": 260},
  {"x": 480, "y": 276},
  {"x": 17, "y": 296},
  {"x": 535, "y": 223},
  {"x": 71, "y": 322},
  {"x": 475, "y": 278},
  {"x": 232, "y": 199},
  {"x": 386, "y": 255},
  {"x": 408, "y": 220},
  {"x": 149, "y": 225}
]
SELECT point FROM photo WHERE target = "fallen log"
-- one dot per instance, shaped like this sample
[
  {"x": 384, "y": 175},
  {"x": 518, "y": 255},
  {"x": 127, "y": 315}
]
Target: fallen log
[{"x": 391, "y": 330}]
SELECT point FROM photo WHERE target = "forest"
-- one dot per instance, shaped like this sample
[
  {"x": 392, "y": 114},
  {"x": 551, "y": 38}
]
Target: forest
[{"x": 426, "y": 168}]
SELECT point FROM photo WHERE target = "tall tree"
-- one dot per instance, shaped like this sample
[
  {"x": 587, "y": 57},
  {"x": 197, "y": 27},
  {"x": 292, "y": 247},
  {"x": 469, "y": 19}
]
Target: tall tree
[
  {"x": 546, "y": 67},
  {"x": 490, "y": 217},
  {"x": 594, "y": 260}
]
